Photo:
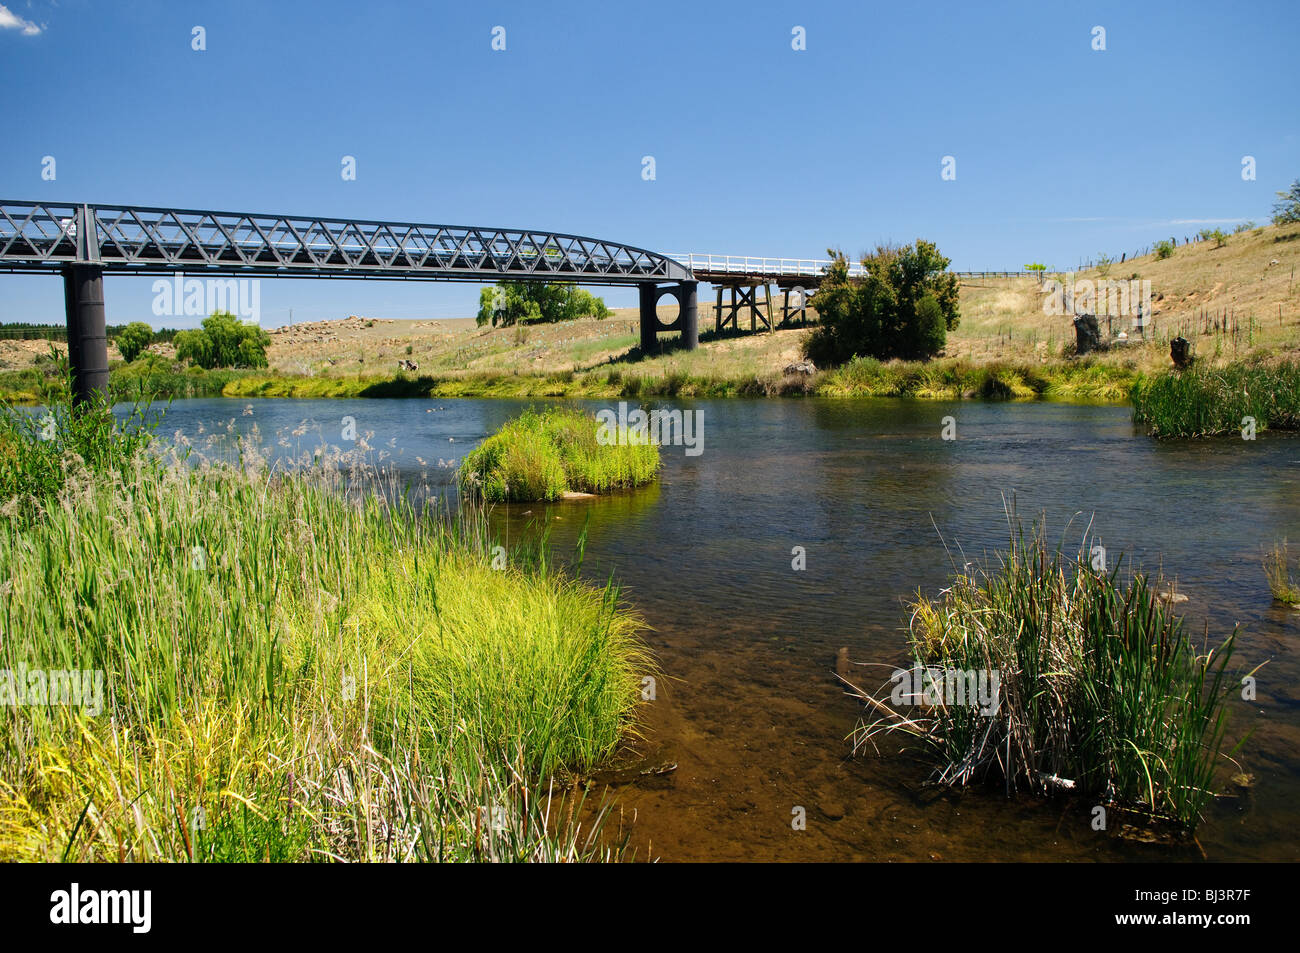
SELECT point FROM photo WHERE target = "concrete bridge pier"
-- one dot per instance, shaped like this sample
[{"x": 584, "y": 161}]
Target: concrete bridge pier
[
  {"x": 688, "y": 318},
  {"x": 83, "y": 295}
]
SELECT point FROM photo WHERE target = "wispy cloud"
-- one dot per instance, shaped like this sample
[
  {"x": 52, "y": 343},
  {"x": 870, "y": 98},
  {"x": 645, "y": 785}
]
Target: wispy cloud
[
  {"x": 11, "y": 21},
  {"x": 1206, "y": 221}
]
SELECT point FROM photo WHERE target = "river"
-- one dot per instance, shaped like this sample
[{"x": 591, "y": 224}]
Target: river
[{"x": 749, "y": 707}]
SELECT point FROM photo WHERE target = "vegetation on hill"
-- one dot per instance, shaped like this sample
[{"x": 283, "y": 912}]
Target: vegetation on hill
[{"x": 1286, "y": 211}]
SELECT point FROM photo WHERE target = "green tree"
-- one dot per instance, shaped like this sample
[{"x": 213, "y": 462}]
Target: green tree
[
  {"x": 223, "y": 341},
  {"x": 531, "y": 302},
  {"x": 904, "y": 307},
  {"x": 133, "y": 339},
  {"x": 1287, "y": 209}
]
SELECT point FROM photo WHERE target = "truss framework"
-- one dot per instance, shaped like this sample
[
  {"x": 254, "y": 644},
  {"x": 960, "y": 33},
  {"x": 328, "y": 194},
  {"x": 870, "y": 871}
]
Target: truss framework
[{"x": 40, "y": 237}]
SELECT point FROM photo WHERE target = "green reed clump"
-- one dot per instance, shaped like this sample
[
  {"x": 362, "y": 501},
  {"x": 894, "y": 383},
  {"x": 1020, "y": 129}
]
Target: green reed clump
[
  {"x": 1099, "y": 689},
  {"x": 296, "y": 666},
  {"x": 1277, "y": 567},
  {"x": 541, "y": 455},
  {"x": 1203, "y": 401}
]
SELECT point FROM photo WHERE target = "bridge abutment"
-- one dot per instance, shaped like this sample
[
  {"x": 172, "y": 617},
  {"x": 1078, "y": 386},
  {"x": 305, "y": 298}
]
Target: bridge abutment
[
  {"x": 83, "y": 295},
  {"x": 688, "y": 318}
]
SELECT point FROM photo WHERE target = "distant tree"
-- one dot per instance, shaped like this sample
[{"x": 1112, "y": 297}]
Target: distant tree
[
  {"x": 903, "y": 307},
  {"x": 133, "y": 339},
  {"x": 1287, "y": 209},
  {"x": 532, "y": 302},
  {"x": 1243, "y": 227},
  {"x": 223, "y": 341}
]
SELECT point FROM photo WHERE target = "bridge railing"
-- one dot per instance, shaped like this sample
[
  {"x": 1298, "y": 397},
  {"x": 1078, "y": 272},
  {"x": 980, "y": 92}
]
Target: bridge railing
[
  {"x": 797, "y": 267},
  {"x": 760, "y": 267}
]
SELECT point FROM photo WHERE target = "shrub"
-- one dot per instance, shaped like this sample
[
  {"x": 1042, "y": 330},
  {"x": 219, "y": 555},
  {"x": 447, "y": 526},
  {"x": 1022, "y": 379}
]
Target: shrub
[
  {"x": 133, "y": 339},
  {"x": 1164, "y": 249},
  {"x": 886, "y": 314},
  {"x": 543, "y": 455}
]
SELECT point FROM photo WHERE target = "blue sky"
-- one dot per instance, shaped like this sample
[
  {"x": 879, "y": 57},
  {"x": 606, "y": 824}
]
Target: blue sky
[{"x": 1061, "y": 151}]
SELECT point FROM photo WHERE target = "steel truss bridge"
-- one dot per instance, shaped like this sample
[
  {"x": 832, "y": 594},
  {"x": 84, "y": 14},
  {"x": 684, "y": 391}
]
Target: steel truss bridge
[{"x": 83, "y": 243}]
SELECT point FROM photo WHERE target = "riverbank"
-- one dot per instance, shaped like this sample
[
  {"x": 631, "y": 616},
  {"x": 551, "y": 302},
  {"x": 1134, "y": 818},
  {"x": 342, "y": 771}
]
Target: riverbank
[
  {"x": 289, "y": 667},
  {"x": 865, "y": 377}
]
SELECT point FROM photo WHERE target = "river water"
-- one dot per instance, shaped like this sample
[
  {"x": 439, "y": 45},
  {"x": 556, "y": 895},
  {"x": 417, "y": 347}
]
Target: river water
[{"x": 748, "y": 706}]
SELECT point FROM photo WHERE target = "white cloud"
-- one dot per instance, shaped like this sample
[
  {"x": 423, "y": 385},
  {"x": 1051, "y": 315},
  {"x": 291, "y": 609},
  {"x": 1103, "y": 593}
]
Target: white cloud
[{"x": 11, "y": 21}]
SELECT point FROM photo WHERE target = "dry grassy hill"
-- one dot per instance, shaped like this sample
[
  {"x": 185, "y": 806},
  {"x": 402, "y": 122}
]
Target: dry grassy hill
[{"x": 1251, "y": 278}]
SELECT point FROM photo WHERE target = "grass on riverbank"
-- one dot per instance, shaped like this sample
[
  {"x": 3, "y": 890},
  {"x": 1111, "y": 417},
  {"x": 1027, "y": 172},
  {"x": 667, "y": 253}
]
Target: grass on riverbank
[
  {"x": 292, "y": 667},
  {"x": 1099, "y": 689},
  {"x": 149, "y": 378},
  {"x": 1203, "y": 401},
  {"x": 864, "y": 377},
  {"x": 542, "y": 455}
]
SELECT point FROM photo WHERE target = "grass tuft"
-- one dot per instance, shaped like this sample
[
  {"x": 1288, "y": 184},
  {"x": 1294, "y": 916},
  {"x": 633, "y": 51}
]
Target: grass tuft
[{"x": 1099, "y": 690}]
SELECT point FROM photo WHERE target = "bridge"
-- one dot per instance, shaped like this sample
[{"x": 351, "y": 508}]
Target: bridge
[
  {"x": 795, "y": 278},
  {"x": 83, "y": 243}
]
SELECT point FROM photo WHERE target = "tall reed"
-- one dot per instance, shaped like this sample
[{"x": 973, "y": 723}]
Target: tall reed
[
  {"x": 1100, "y": 691},
  {"x": 1203, "y": 401}
]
